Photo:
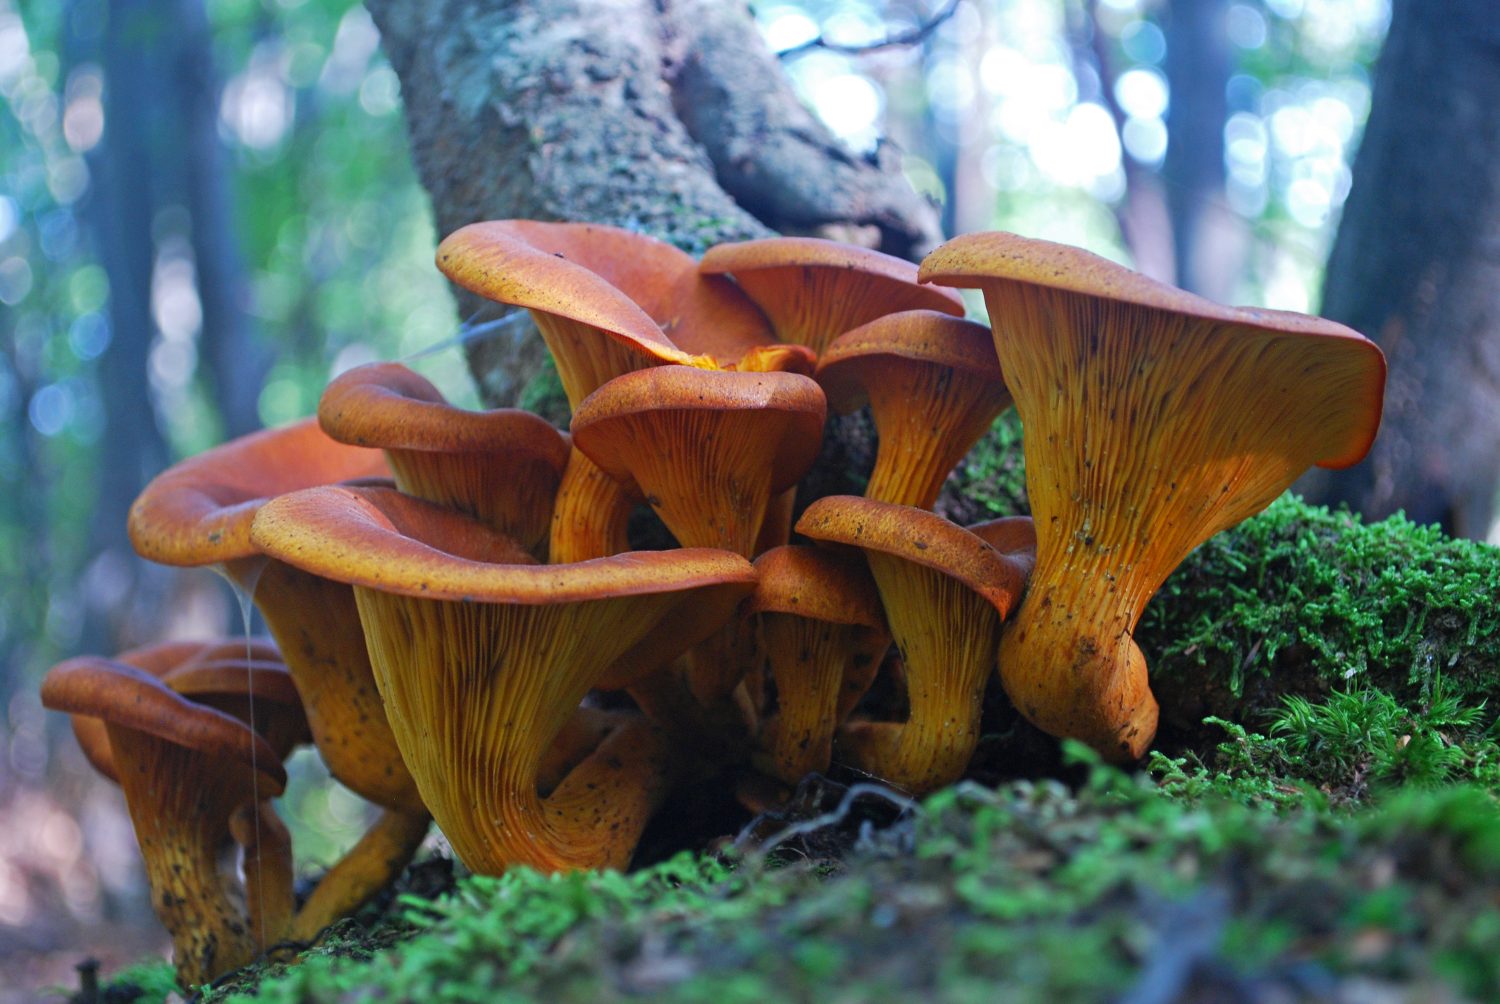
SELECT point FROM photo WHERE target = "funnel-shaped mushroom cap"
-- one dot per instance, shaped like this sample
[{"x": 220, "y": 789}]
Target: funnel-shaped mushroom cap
[
  {"x": 593, "y": 328},
  {"x": 1154, "y": 419},
  {"x": 184, "y": 769},
  {"x": 198, "y": 512},
  {"x": 500, "y": 466},
  {"x": 228, "y": 675},
  {"x": 699, "y": 314},
  {"x": 482, "y": 664},
  {"x": 824, "y": 634},
  {"x": 814, "y": 290},
  {"x": 933, "y": 385},
  {"x": 707, "y": 449},
  {"x": 945, "y": 592},
  {"x": 124, "y": 696}
]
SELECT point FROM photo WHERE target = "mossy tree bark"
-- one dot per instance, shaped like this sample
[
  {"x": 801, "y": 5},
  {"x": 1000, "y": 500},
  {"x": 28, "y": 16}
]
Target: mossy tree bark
[
  {"x": 666, "y": 116},
  {"x": 1416, "y": 267}
]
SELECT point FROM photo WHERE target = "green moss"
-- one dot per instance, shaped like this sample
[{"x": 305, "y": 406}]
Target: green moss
[
  {"x": 1026, "y": 893},
  {"x": 1302, "y": 600},
  {"x": 991, "y": 480},
  {"x": 143, "y": 983},
  {"x": 544, "y": 395}
]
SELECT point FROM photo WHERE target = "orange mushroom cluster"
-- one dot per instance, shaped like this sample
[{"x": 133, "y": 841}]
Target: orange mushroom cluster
[{"x": 439, "y": 635}]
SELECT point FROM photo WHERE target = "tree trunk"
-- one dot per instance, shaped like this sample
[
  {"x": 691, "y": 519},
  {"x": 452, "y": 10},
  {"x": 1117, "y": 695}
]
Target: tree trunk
[
  {"x": 665, "y": 116},
  {"x": 119, "y": 588},
  {"x": 1416, "y": 266}
]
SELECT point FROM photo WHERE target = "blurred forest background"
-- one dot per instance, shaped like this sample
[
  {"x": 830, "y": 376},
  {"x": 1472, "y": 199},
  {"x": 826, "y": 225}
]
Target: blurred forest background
[{"x": 208, "y": 208}]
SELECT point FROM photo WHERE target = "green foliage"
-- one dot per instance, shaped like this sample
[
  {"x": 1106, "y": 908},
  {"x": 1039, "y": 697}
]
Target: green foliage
[
  {"x": 1352, "y": 745},
  {"x": 1026, "y": 893},
  {"x": 991, "y": 480},
  {"x": 1299, "y": 599},
  {"x": 143, "y": 983}
]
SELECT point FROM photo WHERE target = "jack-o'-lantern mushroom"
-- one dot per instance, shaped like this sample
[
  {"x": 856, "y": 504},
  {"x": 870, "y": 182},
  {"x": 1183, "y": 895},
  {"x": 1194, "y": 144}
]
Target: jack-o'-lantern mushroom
[
  {"x": 185, "y": 769},
  {"x": 1154, "y": 419},
  {"x": 482, "y": 664},
  {"x": 945, "y": 592},
  {"x": 814, "y": 290}
]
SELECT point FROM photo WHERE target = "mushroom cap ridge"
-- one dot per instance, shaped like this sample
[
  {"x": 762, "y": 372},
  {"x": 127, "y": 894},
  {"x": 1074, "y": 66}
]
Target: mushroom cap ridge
[
  {"x": 818, "y": 252},
  {"x": 388, "y": 406},
  {"x": 132, "y": 698},
  {"x": 923, "y": 538},
  {"x": 339, "y": 534},
  {"x": 198, "y": 512},
  {"x": 918, "y": 336},
  {"x": 978, "y": 259},
  {"x": 506, "y": 260}
]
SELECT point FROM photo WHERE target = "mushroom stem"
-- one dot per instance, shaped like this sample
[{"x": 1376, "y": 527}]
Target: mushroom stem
[
  {"x": 429, "y": 653},
  {"x": 591, "y": 514},
  {"x": 947, "y": 634},
  {"x": 316, "y": 626},
  {"x": 181, "y": 848},
  {"x": 1075, "y": 672},
  {"x": 270, "y": 900},
  {"x": 810, "y": 658},
  {"x": 368, "y": 867},
  {"x": 927, "y": 418}
]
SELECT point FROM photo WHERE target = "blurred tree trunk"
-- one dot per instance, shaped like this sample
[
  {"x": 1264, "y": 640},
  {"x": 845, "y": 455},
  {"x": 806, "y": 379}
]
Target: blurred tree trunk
[
  {"x": 666, "y": 116},
  {"x": 1416, "y": 266},
  {"x": 235, "y": 361},
  {"x": 1206, "y": 235},
  {"x": 120, "y": 214},
  {"x": 157, "y": 155}
]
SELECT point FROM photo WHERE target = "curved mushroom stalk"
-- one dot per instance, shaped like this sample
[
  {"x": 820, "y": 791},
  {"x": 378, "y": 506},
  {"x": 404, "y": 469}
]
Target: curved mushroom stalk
[
  {"x": 1154, "y": 419},
  {"x": 270, "y": 895},
  {"x": 933, "y": 386},
  {"x": 945, "y": 592},
  {"x": 316, "y": 623},
  {"x": 185, "y": 769},
  {"x": 482, "y": 665},
  {"x": 500, "y": 466},
  {"x": 375, "y": 861}
]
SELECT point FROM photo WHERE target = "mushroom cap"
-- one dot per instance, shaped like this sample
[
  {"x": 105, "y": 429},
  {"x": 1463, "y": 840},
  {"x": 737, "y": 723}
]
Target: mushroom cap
[
  {"x": 910, "y": 338},
  {"x": 388, "y": 406},
  {"x": 198, "y": 512},
  {"x": 817, "y": 584},
  {"x": 553, "y": 269},
  {"x": 1012, "y": 535},
  {"x": 132, "y": 698},
  {"x": 983, "y": 260},
  {"x": 815, "y": 289},
  {"x": 922, "y": 538},
  {"x": 360, "y": 538},
  {"x": 787, "y": 406},
  {"x": 195, "y": 669}
]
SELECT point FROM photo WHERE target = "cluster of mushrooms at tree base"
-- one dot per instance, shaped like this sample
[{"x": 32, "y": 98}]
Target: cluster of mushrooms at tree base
[{"x": 445, "y": 588}]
